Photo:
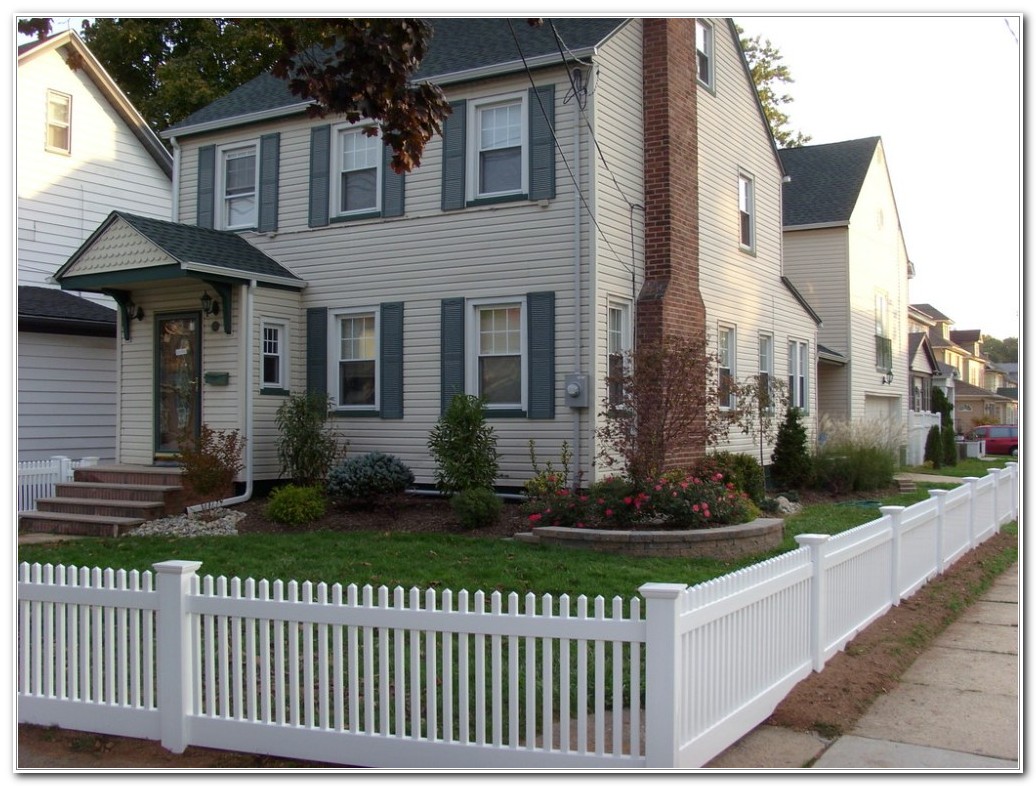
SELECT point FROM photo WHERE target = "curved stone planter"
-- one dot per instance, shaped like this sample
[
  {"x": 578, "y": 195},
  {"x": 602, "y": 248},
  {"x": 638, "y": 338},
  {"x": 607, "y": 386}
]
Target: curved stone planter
[{"x": 733, "y": 542}]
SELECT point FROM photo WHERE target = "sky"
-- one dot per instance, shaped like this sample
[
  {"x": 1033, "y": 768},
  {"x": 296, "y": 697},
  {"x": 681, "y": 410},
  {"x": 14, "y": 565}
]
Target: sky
[{"x": 943, "y": 91}]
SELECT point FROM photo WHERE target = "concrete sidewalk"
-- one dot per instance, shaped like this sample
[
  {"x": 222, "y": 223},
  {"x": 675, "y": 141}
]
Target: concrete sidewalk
[{"x": 956, "y": 708}]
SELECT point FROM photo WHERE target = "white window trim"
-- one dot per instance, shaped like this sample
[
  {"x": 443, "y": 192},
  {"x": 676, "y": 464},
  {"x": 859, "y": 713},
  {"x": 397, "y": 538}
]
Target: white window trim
[
  {"x": 473, "y": 141},
  {"x": 796, "y": 372},
  {"x": 745, "y": 177},
  {"x": 282, "y": 339},
  {"x": 710, "y": 52},
  {"x": 220, "y": 189},
  {"x": 48, "y": 122},
  {"x": 334, "y": 346},
  {"x": 471, "y": 344},
  {"x": 626, "y": 339},
  {"x": 731, "y": 359},
  {"x": 768, "y": 371},
  {"x": 337, "y": 132}
]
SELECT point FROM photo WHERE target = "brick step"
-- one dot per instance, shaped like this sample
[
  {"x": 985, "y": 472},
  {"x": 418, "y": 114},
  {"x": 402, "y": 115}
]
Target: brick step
[
  {"x": 76, "y": 524},
  {"x": 169, "y": 497},
  {"x": 127, "y": 508},
  {"x": 906, "y": 486},
  {"x": 130, "y": 474}
]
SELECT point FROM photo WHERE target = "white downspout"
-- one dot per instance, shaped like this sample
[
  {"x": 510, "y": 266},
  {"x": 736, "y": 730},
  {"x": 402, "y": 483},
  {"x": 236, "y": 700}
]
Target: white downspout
[
  {"x": 246, "y": 319},
  {"x": 577, "y": 286},
  {"x": 174, "y": 213}
]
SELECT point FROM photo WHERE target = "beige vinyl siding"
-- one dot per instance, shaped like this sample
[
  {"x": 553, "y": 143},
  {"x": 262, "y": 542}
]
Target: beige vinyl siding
[
  {"x": 617, "y": 101},
  {"x": 743, "y": 289},
  {"x": 66, "y": 396},
  {"x": 502, "y": 250},
  {"x": 62, "y": 198}
]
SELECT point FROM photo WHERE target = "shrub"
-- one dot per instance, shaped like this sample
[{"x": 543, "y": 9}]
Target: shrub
[
  {"x": 933, "y": 449},
  {"x": 548, "y": 480},
  {"x": 740, "y": 469},
  {"x": 369, "y": 477},
  {"x": 295, "y": 505},
  {"x": 464, "y": 447},
  {"x": 211, "y": 461},
  {"x": 306, "y": 448},
  {"x": 792, "y": 464},
  {"x": 476, "y": 507},
  {"x": 697, "y": 502},
  {"x": 949, "y": 446},
  {"x": 615, "y": 502}
]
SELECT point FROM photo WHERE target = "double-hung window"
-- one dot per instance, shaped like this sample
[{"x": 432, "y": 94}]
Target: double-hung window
[
  {"x": 727, "y": 371},
  {"x": 882, "y": 338},
  {"x": 765, "y": 381},
  {"x": 238, "y": 186},
  {"x": 618, "y": 349},
  {"x": 497, "y": 372},
  {"x": 59, "y": 122},
  {"x": 704, "y": 44},
  {"x": 356, "y": 382},
  {"x": 499, "y": 147},
  {"x": 746, "y": 210},
  {"x": 358, "y": 160},
  {"x": 275, "y": 352},
  {"x": 798, "y": 374}
]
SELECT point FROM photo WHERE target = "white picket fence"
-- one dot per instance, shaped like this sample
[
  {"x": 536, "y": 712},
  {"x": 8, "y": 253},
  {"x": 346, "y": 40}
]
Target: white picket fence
[
  {"x": 36, "y": 479},
  {"x": 399, "y": 679}
]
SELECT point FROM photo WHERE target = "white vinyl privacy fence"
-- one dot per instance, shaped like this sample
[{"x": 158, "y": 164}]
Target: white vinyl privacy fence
[
  {"x": 37, "y": 479},
  {"x": 426, "y": 679}
]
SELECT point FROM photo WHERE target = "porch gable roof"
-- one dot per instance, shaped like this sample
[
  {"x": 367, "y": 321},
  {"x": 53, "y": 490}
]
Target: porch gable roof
[{"x": 189, "y": 251}]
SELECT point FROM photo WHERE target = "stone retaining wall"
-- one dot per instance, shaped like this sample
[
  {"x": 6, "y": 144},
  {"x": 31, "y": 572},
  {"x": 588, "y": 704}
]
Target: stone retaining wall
[{"x": 724, "y": 543}]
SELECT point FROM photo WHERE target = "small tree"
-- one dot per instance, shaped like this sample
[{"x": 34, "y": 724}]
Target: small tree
[
  {"x": 464, "y": 447},
  {"x": 933, "y": 449},
  {"x": 949, "y": 446},
  {"x": 792, "y": 465},
  {"x": 211, "y": 461},
  {"x": 665, "y": 399},
  {"x": 942, "y": 405},
  {"x": 307, "y": 448},
  {"x": 761, "y": 402}
]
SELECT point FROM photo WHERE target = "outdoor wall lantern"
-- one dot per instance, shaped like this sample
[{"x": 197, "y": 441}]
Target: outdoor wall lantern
[
  {"x": 133, "y": 311},
  {"x": 209, "y": 306},
  {"x": 886, "y": 379}
]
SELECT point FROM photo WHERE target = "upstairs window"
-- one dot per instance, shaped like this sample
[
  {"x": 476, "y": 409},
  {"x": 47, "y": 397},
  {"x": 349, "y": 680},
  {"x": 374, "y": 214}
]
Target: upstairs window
[
  {"x": 746, "y": 211},
  {"x": 238, "y": 186},
  {"x": 882, "y": 336},
  {"x": 358, "y": 158},
  {"x": 704, "y": 42},
  {"x": 499, "y": 149},
  {"x": 59, "y": 122}
]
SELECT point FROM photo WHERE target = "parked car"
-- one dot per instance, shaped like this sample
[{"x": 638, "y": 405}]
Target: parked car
[{"x": 999, "y": 439}]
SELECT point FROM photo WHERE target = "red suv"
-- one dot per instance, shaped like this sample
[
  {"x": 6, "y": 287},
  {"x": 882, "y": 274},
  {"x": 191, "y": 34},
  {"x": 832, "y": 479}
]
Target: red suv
[{"x": 999, "y": 439}]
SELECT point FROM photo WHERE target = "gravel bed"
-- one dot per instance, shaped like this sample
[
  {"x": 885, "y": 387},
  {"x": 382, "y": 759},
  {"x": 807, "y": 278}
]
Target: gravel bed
[{"x": 192, "y": 525}]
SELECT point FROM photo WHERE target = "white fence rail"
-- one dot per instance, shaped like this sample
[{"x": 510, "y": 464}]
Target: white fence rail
[
  {"x": 387, "y": 678},
  {"x": 37, "y": 479}
]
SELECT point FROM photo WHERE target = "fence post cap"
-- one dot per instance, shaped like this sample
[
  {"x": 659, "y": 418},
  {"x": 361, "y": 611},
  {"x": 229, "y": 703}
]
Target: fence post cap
[
  {"x": 970, "y": 479},
  {"x": 176, "y": 566},
  {"x": 938, "y": 492},
  {"x": 890, "y": 509},
  {"x": 811, "y": 540},
  {"x": 655, "y": 589}
]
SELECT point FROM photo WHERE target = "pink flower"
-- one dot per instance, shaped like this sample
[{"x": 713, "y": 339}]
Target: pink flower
[
  {"x": 658, "y": 487},
  {"x": 535, "y": 517},
  {"x": 628, "y": 500},
  {"x": 683, "y": 484},
  {"x": 608, "y": 512},
  {"x": 706, "y": 514},
  {"x": 695, "y": 508}
]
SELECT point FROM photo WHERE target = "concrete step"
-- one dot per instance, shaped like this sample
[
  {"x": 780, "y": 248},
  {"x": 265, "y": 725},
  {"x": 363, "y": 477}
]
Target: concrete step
[
  {"x": 170, "y": 498},
  {"x": 125, "y": 508},
  {"x": 130, "y": 474},
  {"x": 76, "y": 524}
]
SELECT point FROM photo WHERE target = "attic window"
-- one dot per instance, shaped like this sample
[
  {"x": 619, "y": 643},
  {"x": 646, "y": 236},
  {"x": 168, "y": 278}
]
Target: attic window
[
  {"x": 704, "y": 43},
  {"x": 59, "y": 122}
]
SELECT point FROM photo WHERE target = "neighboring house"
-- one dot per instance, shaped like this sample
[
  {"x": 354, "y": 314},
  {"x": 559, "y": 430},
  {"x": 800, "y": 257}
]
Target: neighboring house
[
  {"x": 844, "y": 250},
  {"x": 82, "y": 151},
  {"x": 925, "y": 375},
  {"x": 959, "y": 353},
  {"x": 1002, "y": 379},
  {"x": 566, "y": 214}
]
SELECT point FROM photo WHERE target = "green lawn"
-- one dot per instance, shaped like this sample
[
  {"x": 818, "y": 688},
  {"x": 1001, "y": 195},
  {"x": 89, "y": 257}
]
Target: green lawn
[
  {"x": 438, "y": 561},
  {"x": 965, "y": 468}
]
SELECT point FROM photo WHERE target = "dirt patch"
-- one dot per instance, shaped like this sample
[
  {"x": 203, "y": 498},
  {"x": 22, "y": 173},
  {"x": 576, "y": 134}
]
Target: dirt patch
[{"x": 829, "y": 703}]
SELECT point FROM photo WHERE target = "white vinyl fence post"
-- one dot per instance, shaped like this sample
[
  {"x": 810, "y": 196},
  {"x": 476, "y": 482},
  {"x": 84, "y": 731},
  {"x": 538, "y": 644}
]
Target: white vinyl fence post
[
  {"x": 895, "y": 514},
  {"x": 939, "y": 495},
  {"x": 972, "y": 508},
  {"x": 663, "y": 674},
  {"x": 995, "y": 472},
  {"x": 817, "y": 608},
  {"x": 1013, "y": 466},
  {"x": 173, "y": 667},
  {"x": 62, "y": 468}
]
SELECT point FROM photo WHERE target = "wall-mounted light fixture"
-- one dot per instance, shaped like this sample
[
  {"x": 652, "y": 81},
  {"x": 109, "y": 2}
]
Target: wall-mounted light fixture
[
  {"x": 133, "y": 311},
  {"x": 886, "y": 378},
  {"x": 209, "y": 306}
]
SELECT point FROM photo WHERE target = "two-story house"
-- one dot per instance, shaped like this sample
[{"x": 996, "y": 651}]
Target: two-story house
[
  {"x": 844, "y": 250},
  {"x": 82, "y": 150},
  {"x": 591, "y": 190}
]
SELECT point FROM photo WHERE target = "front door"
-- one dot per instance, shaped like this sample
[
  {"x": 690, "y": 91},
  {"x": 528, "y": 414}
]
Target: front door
[{"x": 178, "y": 388}]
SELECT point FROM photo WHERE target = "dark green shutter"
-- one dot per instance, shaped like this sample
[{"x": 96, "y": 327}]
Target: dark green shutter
[
  {"x": 392, "y": 360},
  {"x": 454, "y": 130},
  {"x": 451, "y": 338},
  {"x": 206, "y": 186},
  {"x": 316, "y": 350},
  {"x": 269, "y": 175},
  {"x": 540, "y": 323},
  {"x": 319, "y": 175},
  {"x": 393, "y": 190},
  {"x": 541, "y": 142}
]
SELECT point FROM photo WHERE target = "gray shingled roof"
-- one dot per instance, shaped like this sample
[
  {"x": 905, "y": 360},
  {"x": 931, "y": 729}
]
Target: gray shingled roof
[
  {"x": 965, "y": 336},
  {"x": 825, "y": 180},
  {"x": 48, "y": 303},
  {"x": 456, "y": 45},
  {"x": 931, "y": 312}
]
